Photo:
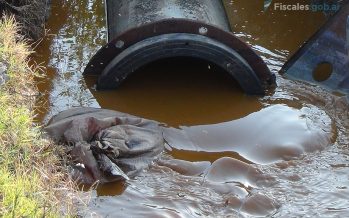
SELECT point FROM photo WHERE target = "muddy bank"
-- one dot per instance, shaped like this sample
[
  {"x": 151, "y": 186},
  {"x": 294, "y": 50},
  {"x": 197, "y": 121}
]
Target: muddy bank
[{"x": 31, "y": 14}]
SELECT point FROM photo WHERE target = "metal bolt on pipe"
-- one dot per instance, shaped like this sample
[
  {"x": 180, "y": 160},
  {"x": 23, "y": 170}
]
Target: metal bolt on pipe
[{"x": 143, "y": 31}]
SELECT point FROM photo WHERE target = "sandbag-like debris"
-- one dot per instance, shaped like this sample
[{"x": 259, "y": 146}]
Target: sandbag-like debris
[{"x": 105, "y": 145}]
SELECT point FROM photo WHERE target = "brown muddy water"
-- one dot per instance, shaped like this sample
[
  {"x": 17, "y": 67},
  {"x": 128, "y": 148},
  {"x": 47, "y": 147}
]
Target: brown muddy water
[{"x": 282, "y": 155}]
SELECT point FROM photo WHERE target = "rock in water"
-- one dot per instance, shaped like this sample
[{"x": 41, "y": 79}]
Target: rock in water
[{"x": 105, "y": 145}]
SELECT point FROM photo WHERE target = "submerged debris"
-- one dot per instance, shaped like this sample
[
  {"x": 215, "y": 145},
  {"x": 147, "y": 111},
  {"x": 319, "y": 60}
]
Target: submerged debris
[{"x": 105, "y": 145}]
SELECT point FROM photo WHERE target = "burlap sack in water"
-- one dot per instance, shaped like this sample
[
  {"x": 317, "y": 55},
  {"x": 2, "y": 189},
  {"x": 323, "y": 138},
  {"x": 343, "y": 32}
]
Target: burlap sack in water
[{"x": 105, "y": 145}]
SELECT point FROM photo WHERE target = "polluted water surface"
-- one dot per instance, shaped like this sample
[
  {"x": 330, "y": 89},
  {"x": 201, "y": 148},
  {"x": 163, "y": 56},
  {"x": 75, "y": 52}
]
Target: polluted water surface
[{"x": 228, "y": 154}]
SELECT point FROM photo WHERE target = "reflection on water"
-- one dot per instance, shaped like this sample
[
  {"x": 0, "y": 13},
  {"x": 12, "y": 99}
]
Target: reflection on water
[
  {"x": 285, "y": 154},
  {"x": 279, "y": 31},
  {"x": 270, "y": 135},
  {"x": 76, "y": 31}
]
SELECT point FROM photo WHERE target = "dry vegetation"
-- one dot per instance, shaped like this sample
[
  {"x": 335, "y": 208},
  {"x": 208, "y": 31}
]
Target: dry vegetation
[{"x": 32, "y": 183}]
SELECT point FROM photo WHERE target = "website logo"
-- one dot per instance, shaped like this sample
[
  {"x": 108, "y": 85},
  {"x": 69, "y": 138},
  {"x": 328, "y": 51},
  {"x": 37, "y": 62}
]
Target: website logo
[
  {"x": 267, "y": 4},
  {"x": 314, "y": 7}
]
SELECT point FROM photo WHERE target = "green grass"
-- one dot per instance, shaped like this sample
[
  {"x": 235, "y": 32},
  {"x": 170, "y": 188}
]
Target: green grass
[{"x": 32, "y": 183}]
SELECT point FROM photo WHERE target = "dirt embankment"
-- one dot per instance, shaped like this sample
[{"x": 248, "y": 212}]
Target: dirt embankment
[{"x": 31, "y": 14}]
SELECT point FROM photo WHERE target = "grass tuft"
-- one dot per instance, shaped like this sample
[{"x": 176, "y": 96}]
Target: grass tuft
[{"x": 32, "y": 182}]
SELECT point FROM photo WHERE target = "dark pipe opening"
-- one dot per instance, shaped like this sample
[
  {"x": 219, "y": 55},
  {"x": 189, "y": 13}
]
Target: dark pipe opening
[
  {"x": 184, "y": 72},
  {"x": 179, "y": 91},
  {"x": 144, "y": 31},
  {"x": 180, "y": 45}
]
